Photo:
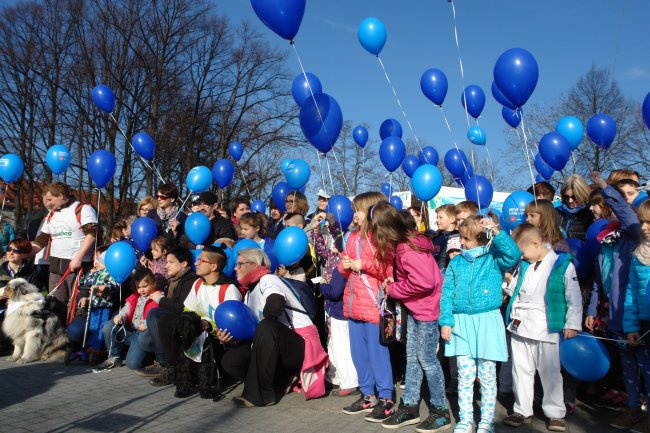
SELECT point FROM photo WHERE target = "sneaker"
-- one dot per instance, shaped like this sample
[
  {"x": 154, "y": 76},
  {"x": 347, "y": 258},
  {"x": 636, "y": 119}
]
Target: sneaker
[
  {"x": 365, "y": 403},
  {"x": 152, "y": 370},
  {"x": 403, "y": 415},
  {"x": 438, "y": 420},
  {"x": 339, "y": 392},
  {"x": 556, "y": 424},
  {"x": 629, "y": 418},
  {"x": 517, "y": 419},
  {"x": 642, "y": 426},
  {"x": 463, "y": 427},
  {"x": 382, "y": 411},
  {"x": 110, "y": 363},
  {"x": 484, "y": 427},
  {"x": 165, "y": 378}
]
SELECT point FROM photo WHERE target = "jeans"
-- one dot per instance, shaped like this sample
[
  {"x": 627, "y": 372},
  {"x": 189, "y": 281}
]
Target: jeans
[
  {"x": 421, "y": 359},
  {"x": 153, "y": 316},
  {"x": 118, "y": 336}
]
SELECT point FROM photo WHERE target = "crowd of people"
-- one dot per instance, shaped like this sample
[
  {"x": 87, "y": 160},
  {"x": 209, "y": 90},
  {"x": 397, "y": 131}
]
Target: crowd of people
[{"x": 396, "y": 304}]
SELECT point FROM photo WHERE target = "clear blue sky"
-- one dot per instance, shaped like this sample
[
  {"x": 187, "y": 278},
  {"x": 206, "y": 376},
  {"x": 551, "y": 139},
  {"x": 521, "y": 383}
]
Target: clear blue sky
[{"x": 565, "y": 36}]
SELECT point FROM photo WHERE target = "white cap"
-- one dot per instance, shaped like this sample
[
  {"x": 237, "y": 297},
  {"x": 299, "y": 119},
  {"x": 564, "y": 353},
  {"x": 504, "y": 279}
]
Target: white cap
[{"x": 321, "y": 193}]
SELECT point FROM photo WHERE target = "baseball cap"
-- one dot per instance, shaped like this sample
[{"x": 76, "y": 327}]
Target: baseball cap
[
  {"x": 321, "y": 193},
  {"x": 207, "y": 197},
  {"x": 453, "y": 243}
]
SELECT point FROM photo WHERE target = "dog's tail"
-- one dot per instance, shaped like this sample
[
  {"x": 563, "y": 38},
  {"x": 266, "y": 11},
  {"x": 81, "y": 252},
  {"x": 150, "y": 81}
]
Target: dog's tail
[{"x": 58, "y": 339}]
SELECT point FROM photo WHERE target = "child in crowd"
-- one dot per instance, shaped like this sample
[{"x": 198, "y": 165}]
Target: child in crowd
[
  {"x": 629, "y": 190},
  {"x": 542, "y": 215},
  {"x": 252, "y": 226},
  {"x": 598, "y": 206},
  {"x": 471, "y": 298},
  {"x": 416, "y": 284},
  {"x": 160, "y": 246},
  {"x": 545, "y": 301},
  {"x": 361, "y": 300},
  {"x": 306, "y": 265},
  {"x": 463, "y": 210},
  {"x": 130, "y": 322},
  {"x": 420, "y": 223},
  {"x": 446, "y": 220}
]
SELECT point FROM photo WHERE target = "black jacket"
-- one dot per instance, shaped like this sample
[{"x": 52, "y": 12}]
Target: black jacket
[
  {"x": 29, "y": 225},
  {"x": 179, "y": 291},
  {"x": 576, "y": 225}
]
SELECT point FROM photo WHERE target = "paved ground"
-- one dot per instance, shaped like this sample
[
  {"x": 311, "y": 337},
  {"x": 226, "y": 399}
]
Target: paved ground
[{"x": 50, "y": 397}]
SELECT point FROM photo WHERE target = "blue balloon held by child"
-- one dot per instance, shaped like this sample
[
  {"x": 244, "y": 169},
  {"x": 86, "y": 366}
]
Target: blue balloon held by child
[
  {"x": 120, "y": 260},
  {"x": 290, "y": 245},
  {"x": 584, "y": 357},
  {"x": 514, "y": 209},
  {"x": 236, "y": 318},
  {"x": 341, "y": 207},
  {"x": 143, "y": 231}
]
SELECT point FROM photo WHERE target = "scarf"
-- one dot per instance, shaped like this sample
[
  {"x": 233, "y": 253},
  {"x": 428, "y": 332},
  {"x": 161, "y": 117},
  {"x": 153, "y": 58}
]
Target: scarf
[
  {"x": 473, "y": 253},
  {"x": 642, "y": 252},
  {"x": 568, "y": 211},
  {"x": 166, "y": 216},
  {"x": 173, "y": 282},
  {"x": 253, "y": 277}
]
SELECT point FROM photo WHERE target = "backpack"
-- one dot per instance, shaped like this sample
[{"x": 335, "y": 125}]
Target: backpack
[
  {"x": 305, "y": 296},
  {"x": 222, "y": 289}
]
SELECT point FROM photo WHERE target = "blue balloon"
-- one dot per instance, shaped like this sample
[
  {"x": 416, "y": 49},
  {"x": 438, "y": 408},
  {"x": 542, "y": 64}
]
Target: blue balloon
[
  {"x": 258, "y": 206},
  {"x": 602, "y": 130},
  {"x": 645, "y": 111},
  {"x": 285, "y": 165},
  {"x": 458, "y": 165},
  {"x": 397, "y": 202},
  {"x": 496, "y": 93},
  {"x": 322, "y": 133},
  {"x": 410, "y": 164},
  {"x": 199, "y": 179},
  {"x": 120, "y": 260},
  {"x": 103, "y": 98},
  {"x": 298, "y": 173},
  {"x": 58, "y": 158},
  {"x": 236, "y": 150},
  {"x": 514, "y": 209},
  {"x": 392, "y": 152},
  {"x": 223, "y": 172},
  {"x": 434, "y": 85},
  {"x": 539, "y": 178},
  {"x": 386, "y": 189},
  {"x": 475, "y": 100},
  {"x": 236, "y": 318},
  {"x": 479, "y": 190},
  {"x": 591, "y": 238},
  {"x": 554, "y": 150},
  {"x": 245, "y": 244},
  {"x": 515, "y": 74},
  {"x": 300, "y": 89},
  {"x": 283, "y": 17},
  {"x": 570, "y": 128},
  {"x": 290, "y": 245},
  {"x": 143, "y": 231},
  {"x": 512, "y": 117},
  {"x": 372, "y": 35},
  {"x": 476, "y": 135},
  {"x": 545, "y": 170},
  {"x": 428, "y": 155},
  {"x": 360, "y": 136},
  {"x": 341, "y": 207},
  {"x": 101, "y": 167},
  {"x": 426, "y": 182},
  {"x": 584, "y": 357},
  {"x": 460, "y": 181},
  {"x": 144, "y": 145},
  {"x": 197, "y": 228},
  {"x": 11, "y": 167},
  {"x": 279, "y": 194},
  {"x": 390, "y": 128}
]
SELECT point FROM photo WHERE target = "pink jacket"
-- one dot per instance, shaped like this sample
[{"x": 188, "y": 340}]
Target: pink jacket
[
  {"x": 132, "y": 301},
  {"x": 357, "y": 302},
  {"x": 419, "y": 280}
]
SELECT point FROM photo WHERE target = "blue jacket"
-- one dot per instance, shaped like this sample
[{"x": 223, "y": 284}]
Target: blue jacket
[
  {"x": 473, "y": 287},
  {"x": 616, "y": 262},
  {"x": 637, "y": 305},
  {"x": 333, "y": 294}
]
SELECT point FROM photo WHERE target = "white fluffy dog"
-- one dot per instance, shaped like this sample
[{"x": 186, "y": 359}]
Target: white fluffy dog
[{"x": 36, "y": 334}]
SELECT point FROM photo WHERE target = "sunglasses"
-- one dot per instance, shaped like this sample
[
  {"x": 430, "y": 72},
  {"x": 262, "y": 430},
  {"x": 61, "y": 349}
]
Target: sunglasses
[
  {"x": 162, "y": 197},
  {"x": 16, "y": 250},
  {"x": 567, "y": 197}
]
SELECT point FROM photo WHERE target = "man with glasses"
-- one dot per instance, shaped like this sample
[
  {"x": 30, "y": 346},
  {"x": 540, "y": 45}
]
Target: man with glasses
[
  {"x": 168, "y": 217},
  {"x": 220, "y": 227}
]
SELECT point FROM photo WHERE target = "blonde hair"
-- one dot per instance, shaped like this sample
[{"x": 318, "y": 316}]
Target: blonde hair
[
  {"x": 644, "y": 212},
  {"x": 466, "y": 206},
  {"x": 471, "y": 228},
  {"x": 147, "y": 201},
  {"x": 365, "y": 201},
  {"x": 447, "y": 209},
  {"x": 549, "y": 226},
  {"x": 526, "y": 232},
  {"x": 618, "y": 175},
  {"x": 579, "y": 186},
  {"x": 255, "y": 255}
]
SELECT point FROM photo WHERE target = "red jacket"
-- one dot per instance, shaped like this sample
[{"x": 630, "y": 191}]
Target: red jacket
[
  {"x": 132, "y": 301},
  {"x": 419, "y": 280},
  {"x": 357, "y": 302}
]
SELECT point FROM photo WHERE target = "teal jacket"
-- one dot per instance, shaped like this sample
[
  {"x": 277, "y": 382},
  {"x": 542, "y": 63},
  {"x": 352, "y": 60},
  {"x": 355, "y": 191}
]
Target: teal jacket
[
  {"x": 637, "y": 305},
  {"x": 474, "y": 286}
]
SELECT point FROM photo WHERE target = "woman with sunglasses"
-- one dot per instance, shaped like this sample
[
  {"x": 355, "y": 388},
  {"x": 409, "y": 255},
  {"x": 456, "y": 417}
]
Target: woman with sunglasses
[
  {"x": 575, "y": 216},
  {"x": 168, "y": 217}
]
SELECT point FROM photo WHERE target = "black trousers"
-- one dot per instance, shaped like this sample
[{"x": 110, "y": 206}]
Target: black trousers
[{"x": 268, "y": 364}]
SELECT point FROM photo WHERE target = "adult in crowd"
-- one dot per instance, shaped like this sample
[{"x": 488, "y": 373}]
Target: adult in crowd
[
  {"x": 146, "y": 204},
  {"x": 169, "y": 218},
  {"x": 574, "y": 213},
  {"x": 321, "y": 204},
  {"x": 220, "y": 227},
  {"x": 29, "y": 228},
  {"x": 239, "y": 207}
]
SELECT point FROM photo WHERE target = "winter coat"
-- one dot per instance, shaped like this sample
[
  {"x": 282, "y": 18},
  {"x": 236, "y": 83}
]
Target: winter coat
[
  {"x": 180, "y": 217},
  {"x": 26, "y": 271},
  {"x": 637, "y": 305},
  {"x": 419, "y": 281},
  {"x": 575, "y": 225},
  {"x": 439, "y": 240},
  {"x": 333, "y": 294},
  {"x": 132, "y": 301},
  {"x": 177, "y": 292}
]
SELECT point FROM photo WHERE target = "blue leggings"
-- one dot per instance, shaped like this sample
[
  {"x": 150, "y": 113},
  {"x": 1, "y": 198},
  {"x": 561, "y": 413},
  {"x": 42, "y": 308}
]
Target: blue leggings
[
  {"x": 487, "y": 375},
  {"x": 371, "y": 360},
  {"x": 635, "y": 361}
]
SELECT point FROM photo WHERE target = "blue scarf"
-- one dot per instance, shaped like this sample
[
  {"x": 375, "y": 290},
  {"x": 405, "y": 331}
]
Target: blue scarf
[
  {"x": 568, "y": 211},
  {"x": 472, "y": 254}
]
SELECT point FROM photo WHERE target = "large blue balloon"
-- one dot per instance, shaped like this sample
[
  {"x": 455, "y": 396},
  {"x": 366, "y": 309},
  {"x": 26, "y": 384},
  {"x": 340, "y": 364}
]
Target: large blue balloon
[
  {"x": 197, "y": 228},
  {"x": 144, "y": 145},
  {"x": 279, "y": 194},
  {"x": 290, "y": 245},
  {"x": 496, "y": 93},
  {"x": 387, "y": 189},
  {"x": 236, "y": 318},
  {"x": 514, "y": 209},
  {"x": 554, "y": 150},
  {"x": 602, "y": 130},
  {"x": 512, "y": 117},
  {"x": 434, "y": 85},
  {"x": 300, "y": 89},
  {"x": 476, "y": 135},
  {"x": 199, "y": 179},
  {"x": 341, "y": 207},
  {"x": 475, "y": 100},
  {"x": 410, "y": 164},
  {"x": 258, "y": 206},
  {"x": 458, "y": 165},
  {"x": 372, "y": 35},
  {"x": 390, "y": 128},
  {"x": 645, "y": 111},
  {"x": 392, "y": 152},
  {"x": 516, "y": 74},
  {"x": 428, "y": 155},
  {"x": 101, "y": 167},
  {"x": 321, "y": 133},
  {"x": 545, "y": 170},
  {"x": 11, "y": 167},
  {"x": 298, "y": 173},
  {"x": 571, "y": 129},
  {"x": 397, "y": 202},
  {"x": 584, "y": 357},
  {"x": 58, "y": 158},
  {"x": 103, "y": 98},
  {"x": 143, "y": 231},
  {"x": 223, "y": 172},
  {"x": 236, "y": 150},
  {"x": 120, "y": 260},
  {"x": 360, "y": 136},
  {"x": 426, "y": 182},
  {"x": 479, "y": 190},
  {"x": 281, "y": 16}
]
